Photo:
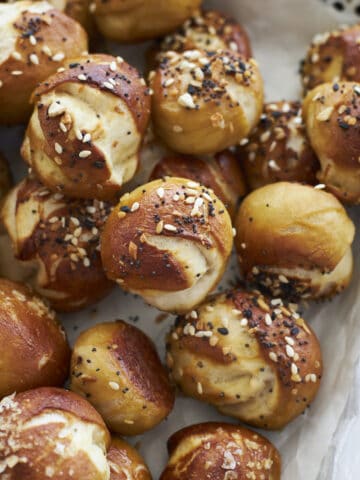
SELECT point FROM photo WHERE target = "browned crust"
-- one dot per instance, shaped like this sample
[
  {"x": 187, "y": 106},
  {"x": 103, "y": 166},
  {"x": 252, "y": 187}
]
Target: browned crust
[
  {"x": 122, "y": 457},
  {"x": 147, "y": 268},
  {"x": 268, "y": 157},
  {"x": 30, "y": 334},
  {"x": 34, "y": 452},
  {"x": 341, "y": 46},
  {"x": 52, "y": 29},
  {"x": 96, "y": 68},
  {"x": 145, "y": 372},
  {"x": 125, "y": 356},
  {"x": 5, "y": 178},
  {"x": 209, "y": 458},
  {"x": 222, "y": 174},
  {"x": 78, "y": 282},
  {"x": 299, "y": 226},
  {"x": 34, "y": 402},
  {"x": 296, "y": 391}
]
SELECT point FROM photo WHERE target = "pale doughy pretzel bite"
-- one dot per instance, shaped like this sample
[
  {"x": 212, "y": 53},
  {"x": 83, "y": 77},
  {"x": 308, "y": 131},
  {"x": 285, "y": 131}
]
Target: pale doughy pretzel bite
[
  {"x": 249, "y": 356},
  {"x": 295, "y": 241}
]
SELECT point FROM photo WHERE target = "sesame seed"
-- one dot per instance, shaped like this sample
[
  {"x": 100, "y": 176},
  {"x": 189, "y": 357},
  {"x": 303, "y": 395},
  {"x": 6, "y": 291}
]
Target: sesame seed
[
  {"x": 290, "y": 341},
  {"x": 209, "y": 308},
  {"x": 55, "y": 109},
  {"x": 169, "y": 82},
  {"x": 283, "y": 279},
  {"x": 190, "y": 200},
  {"x": 186, "y": 101},
  {"x": 244, "y": 322},
  {"x": 160, "y": 192},
  {"x": 82, "y": 77},
  {"x": 325, "y": 114},
  {"x": 320, "y": 186},
  {"x": 289, "y": 351},
  {"x": 16, "y": 55},
  {"x": 114, "y": 386},
  {"x": 62, "y": 127},
  {"x": 77, "y": 232},
  {"x": 244, "y": 142},
  {"x": 177, "y": 129},
  {"x": 273, "y": 356},
  {"x": 176, "y": 197},
  {"x": 193, "y": 314},
  {"x": 108, "y": 85},
  {"x": 119, "y": 59},
  {"x": 32, "y": 40},
  {"x": 294, "y": 369},
  {"x": 268, "y": 319},
  {"x": 1, "y": 83},
  {"x": 86, "y": 262},
  {"x": 203, "y": 333},
  {"x": 276, "y": 301},
  {"x": 78, "y": 134},
  {"x": 233, "y": 232},
  {"x": 45, "y": 49},
  {"x": 86, "y": 138},
  {"x": 199, "y": 388},
  {"x": 159, "y": 227},
  {"x": 58, "y": 148},
  {"x": 265, "y": 137},
  {"x": 170, "y": 228},
  {"x": 112, "y": 66},
  {"x": 135, "y": 206},
  {"x": 192, "y": 184},
  {"x": 53, "y": 219},
  {"x": 58, "y": 57},
  {"x": 84, "y": 153},
  {"x": 16, "y": 73}
]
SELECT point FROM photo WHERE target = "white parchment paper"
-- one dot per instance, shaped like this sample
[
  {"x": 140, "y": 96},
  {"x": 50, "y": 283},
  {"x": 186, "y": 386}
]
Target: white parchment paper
[{"x": 322, "y": 443}]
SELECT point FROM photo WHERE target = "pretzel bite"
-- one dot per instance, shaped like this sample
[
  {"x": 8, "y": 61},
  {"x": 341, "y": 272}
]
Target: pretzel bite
[
  {"x": 79, "y": 10},
  {"x": 207, "y": 30},
  {"x": 221, "y": 451},
  {"x": 205, "y": 102},
  {"x": 5, "y": 178},
  {"x": 89, "y": 120},
  {"x": 125, "y": 462},
  {"x": 278, "y": 149},
  {"x": 117, "y": 368},
  {"x": 295, "y": 241},
  {"x": 130, "y": 21},
  {"x": 168, "y": 241},
  {"x": 221, "y": 173},
  {"x": 36, "y": 40},
  {"x": 331, "y": 115},
  {"x": 251, "y": 357},
  {"x": 34, "y": 350},
  {"x": 59, "y": 237},
  {"x": 52, "y": 433},
  {"x": 332, "y": 56}
]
